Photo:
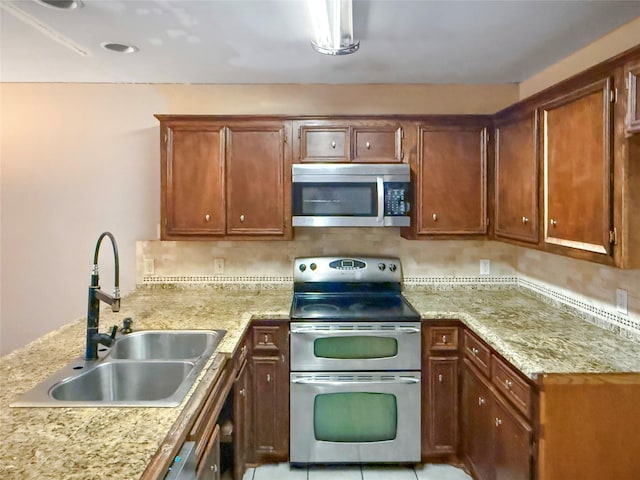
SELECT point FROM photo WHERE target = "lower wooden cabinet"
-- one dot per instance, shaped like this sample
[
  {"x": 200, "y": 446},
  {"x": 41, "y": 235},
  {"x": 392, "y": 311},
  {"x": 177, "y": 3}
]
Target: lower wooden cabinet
[
  {"x": 241, "y": 416},
  {"x": 440, "y": 391},
  {"x": 497, "y": 441},
  {"x": 209, "y": 468},
  {"x": 266, "y": 396}
]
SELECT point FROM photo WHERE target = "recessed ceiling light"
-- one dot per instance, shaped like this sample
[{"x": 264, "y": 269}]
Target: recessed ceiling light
[
  {"x": 61, "y": 4},
  {"x": 119, "y": 47}
]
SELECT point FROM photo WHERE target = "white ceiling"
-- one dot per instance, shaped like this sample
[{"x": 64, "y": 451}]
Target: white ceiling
[{"x": 268, "y": 41}]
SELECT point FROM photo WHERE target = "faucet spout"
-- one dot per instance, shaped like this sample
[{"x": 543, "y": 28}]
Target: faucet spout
[{"x": 96, "y": 295}]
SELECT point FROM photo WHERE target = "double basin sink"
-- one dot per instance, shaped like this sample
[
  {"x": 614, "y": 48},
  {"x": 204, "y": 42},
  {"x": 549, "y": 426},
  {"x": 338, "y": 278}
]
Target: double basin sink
[{"x": 153, "y": 368}]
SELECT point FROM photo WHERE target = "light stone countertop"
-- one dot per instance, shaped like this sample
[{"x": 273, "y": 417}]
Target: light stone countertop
[{"x": 117, "y": 443}]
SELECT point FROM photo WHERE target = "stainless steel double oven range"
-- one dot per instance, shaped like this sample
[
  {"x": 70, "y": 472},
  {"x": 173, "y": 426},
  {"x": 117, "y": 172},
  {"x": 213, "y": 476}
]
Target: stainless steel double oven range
[{"x": 355, "y": 363}]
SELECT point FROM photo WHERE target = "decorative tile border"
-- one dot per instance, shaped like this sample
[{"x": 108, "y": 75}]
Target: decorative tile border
[
  {"x": 456, "y": 281},
  {"x": 155, "y": 279}
]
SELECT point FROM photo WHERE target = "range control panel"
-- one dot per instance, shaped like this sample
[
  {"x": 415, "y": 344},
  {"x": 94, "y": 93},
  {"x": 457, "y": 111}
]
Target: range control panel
[{"x": 347, "y": 269}]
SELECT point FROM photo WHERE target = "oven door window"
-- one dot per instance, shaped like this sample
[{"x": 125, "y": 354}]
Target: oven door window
[
  {"x": 335, "y": 199},
  {"x": 355, "y": 417},
  {"x": 355, "y": 347}
]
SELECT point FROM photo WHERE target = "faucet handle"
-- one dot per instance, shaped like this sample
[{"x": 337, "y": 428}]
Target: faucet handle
[
  {"x": 114, "y": 330},
  {"x": 126, "y": 325}
]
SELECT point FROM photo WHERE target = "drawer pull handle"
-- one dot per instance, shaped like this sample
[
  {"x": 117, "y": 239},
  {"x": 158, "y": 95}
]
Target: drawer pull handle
[
  {"x": 498, "y": 422},
  {"x": 242, "y": 218},
  {"x": 268, "y": 377},
  {"x": 440, "y": 378},
  {"x": 481, "y": 401},
  {"x": 242, "y": 392},
  {"x": 368, "y": 145},
  {"x": 553, "y": 222},
  {"x": 508, "y": 384},
  {"x": 435, "y": 217},
  {"x": 475, "y": 351},
  {"x": 444, "y": 339},
  {"x": 207, "y": 217},
  {"x": 266, "y": 339},
  {"x": 244, "y": 349},
  {"x": 333, "y": 144}
]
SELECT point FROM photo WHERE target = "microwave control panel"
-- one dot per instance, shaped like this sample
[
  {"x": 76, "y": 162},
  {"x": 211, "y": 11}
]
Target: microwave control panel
[{"x": 396, "y": 199}]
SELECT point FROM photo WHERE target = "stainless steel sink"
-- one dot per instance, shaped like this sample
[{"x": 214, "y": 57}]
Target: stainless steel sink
[
  {"x": 165, "y": 344},
  {"x": 154, "y": 368},
  {"x": 126, "y": 381}
]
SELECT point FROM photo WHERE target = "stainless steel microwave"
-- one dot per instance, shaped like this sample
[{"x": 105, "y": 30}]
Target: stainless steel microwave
[{"x": 351, "y": 195}]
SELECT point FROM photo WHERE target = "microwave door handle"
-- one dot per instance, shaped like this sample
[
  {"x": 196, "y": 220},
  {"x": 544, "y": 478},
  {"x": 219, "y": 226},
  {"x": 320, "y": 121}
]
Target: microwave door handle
[{"x": 380, "y": 182}]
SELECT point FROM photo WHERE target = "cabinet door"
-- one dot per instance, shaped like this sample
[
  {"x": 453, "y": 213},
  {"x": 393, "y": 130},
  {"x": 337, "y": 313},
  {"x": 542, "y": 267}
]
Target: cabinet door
[
  {"x": 242, "y": 421},
  {"x": 632, "y": 72},
  {"x": 324, "y": 143},
  {"x": 512, "y": 460},
  {"x": 576, "y": 130},
  {"x": 270, "y": 396},
  {"x": 477, "y": 428},
  {"x": 256, "y": 163},
  {"x": 209, "y": 467},
  {"x": 516, "y": 179},
  {"x": 451, "y": 180},
  {"x": 441, "y": 406},
  {"x": 193, "y": 180},
  {"x": 372, "y": 144}
]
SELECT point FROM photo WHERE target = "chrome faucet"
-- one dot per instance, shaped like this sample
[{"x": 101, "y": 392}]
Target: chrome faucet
[{"x": 95, "y": 296}]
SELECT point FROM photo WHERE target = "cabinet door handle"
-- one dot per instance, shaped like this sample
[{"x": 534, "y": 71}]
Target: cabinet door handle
[
  {"x": 508, "y": 384},
  {"x": 207, "y": 217},
  {"x": 242, "y": 392},
  {"x": 525, "y": 220},
  {"x": 242, "y": 218},
  {"x": 444, "y": 339},
  {"x": 440, "y": 378},
  {"x": 268, "y": 377},
  {"x": 368, "y": 145},
  {"x": 553, "y": 222},
  {"x": 435, "y": 217},
  {"x": 498, "y": 422},
  {"x": 481, "y": 401},
  {"x": 475, "y": 351},
  {"x": 333, "y": 144},
  {"x": 214, "y": 468},
  {"x": 266, "y": 338}
]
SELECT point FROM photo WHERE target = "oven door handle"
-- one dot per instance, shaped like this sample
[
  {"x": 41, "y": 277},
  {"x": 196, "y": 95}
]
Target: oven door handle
[
  {"x": 378, "y": 331},
  {"x": 380, "y": 182},
  {"x": 312, "y": 381}
]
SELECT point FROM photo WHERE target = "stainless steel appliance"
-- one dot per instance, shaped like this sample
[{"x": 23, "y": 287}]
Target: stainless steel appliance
[
  {"x": 351, "y": 195},
  {"x": 355, "y": 363}
]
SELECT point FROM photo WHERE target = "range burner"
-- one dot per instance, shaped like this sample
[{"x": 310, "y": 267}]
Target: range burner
[{"x": 320, "y": 308}]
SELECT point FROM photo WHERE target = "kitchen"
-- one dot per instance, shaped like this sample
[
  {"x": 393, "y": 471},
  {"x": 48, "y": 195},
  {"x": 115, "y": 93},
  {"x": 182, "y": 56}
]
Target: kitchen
[{"x": 95, "y": 157}]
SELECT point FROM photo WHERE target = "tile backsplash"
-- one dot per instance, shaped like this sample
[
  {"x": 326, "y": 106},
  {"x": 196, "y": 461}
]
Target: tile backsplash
[
  {"x": 584, "y": 286},
  {"x": 442, "y": 258}
]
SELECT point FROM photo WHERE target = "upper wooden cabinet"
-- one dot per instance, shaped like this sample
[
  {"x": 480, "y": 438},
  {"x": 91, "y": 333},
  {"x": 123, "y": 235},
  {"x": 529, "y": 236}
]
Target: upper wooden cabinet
[
  {"x": 516, "y": 178},
  {"x": 450, "y": 180},
  {"x": 224, "y": 177},
  {"x": 256, "y": 159},
  {"x": 632, "y": 72},
  {"x": 193, "y": 179},
  {"x": 576, "y": 135},
  {"x": 345, "y": 140}
]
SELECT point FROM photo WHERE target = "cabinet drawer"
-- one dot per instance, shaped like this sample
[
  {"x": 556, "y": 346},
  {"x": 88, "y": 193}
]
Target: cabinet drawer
[
  {"x": 509, "y": 383},
  {"x": 324, "y": 144},
  {"x": 477, "y": 352},
  {"x": 267, "y": 340},
  {"x": 377, "y": 144},
  {"x": 443, "y": 338}
]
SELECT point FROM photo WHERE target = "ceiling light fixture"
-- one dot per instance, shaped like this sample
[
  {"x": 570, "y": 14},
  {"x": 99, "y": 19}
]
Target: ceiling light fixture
[
  {"x": 119, "y": 47},
  {"x": 333, "y": 26},
  {"x": 61, "y": 4}
]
